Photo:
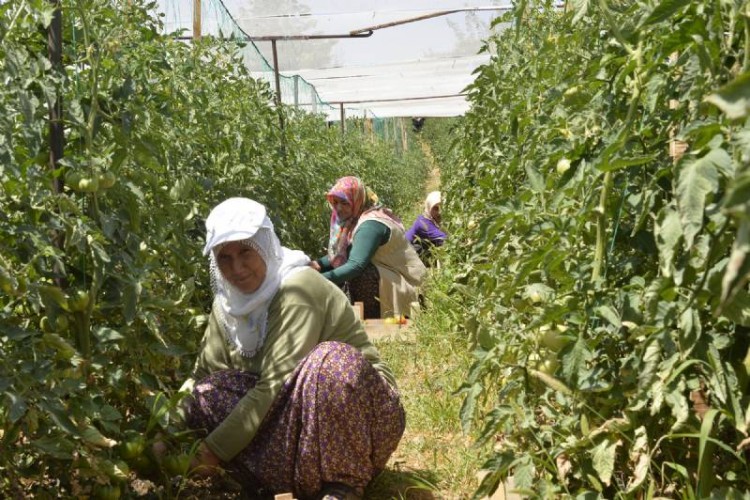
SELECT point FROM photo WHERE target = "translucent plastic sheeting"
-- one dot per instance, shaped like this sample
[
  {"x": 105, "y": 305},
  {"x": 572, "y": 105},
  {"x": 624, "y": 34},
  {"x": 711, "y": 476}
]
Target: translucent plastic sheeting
[
  {"x": 391, "y": 84},
  {"x": 417, "y": 67}
]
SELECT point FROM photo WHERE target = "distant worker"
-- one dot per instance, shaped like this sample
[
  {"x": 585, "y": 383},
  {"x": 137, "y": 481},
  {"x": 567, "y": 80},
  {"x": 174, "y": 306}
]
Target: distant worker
[
  {"x": 368, "y": 254},
  {"x": 425, "y": 233}
]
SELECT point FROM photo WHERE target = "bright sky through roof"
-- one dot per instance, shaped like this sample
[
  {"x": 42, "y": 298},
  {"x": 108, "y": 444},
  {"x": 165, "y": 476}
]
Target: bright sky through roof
[{"x": 409, "y": 60}]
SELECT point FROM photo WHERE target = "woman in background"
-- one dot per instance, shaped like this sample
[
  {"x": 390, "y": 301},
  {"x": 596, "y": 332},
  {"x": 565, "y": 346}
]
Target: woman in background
[
  {"x": 368, "y": 254},
  {"x": 425, "y": 233}
]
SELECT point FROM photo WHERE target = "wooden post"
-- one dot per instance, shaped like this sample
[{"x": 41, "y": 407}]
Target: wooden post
[
  {"x": 677, "y": 147},
  {"x": 404, "y": 136},
  {"x": 56, "y": 130},
  {"x": 197, "y": 19},
  {"x": 343, "y": 118},
  {"x": 359, "y": 309},
  {"x": 368, "y": 129}
]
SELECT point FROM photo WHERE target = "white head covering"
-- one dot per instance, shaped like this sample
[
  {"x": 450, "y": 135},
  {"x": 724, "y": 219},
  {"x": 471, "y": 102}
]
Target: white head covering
[
  {"x": 432, "y": 199},
  {"x": 245, "y": 315}
]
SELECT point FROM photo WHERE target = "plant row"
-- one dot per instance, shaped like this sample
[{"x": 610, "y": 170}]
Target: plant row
[
  {"x": 104, "y": 289},
  {"x": 597, "y": 201}
]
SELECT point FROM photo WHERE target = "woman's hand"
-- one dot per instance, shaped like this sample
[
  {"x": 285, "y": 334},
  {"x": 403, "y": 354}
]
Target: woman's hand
[
  {"x": 314, "y": 264},
  {"x": 205, "y": 462}
]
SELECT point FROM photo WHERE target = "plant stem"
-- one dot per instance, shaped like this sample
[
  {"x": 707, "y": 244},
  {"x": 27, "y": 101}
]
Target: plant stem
[
  {"x": 13, "y": 21},
  {"x": 615, "y": 28},
  {"x": 601, "y": 209},
  {"x": 601, "y": 227}
]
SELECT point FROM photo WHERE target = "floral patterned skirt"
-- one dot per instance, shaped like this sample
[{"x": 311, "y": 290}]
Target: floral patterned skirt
[
  {"x": 365, "y": 288},
  {"x": 336, "y": 419}
]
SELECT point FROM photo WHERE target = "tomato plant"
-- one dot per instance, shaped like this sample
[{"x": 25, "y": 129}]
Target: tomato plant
[
  {"x": 105, "y": 291},
  {"x": 568, "y": 203}
]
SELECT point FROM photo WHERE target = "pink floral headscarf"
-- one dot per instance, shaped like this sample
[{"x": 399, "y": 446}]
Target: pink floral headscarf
[{"x": 362, "y": 200}]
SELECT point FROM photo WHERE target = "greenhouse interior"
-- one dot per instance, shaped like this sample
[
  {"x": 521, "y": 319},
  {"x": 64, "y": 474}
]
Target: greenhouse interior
[{"x": 338, "y": 250}]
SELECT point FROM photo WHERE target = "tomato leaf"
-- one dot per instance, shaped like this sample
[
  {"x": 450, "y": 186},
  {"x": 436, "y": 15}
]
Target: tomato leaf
[
  {"x": 668, "y": 232},
  {"x": 733, "y": 98},
  {"x": 705, "y": 454},
  {"x": 57, "y": 446},
  {"x": 17, "y": 406},
  {"x": 663, "y": 11},
  {"x": 603, "y": 459},
  {"x": 738, "y": 267},
  {"x": 580, "y": 7},
  {"x": 697, "y": 181}
]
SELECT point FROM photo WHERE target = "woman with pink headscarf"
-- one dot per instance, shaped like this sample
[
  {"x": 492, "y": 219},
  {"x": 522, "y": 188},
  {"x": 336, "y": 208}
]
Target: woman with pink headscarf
[{"x": 368, "y": 253}]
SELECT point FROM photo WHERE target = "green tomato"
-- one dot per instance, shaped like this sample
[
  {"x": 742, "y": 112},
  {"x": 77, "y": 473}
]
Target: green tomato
[
  {"x": 549, "y": 365},
  {"x": 563, "y": 165},
  {"x": 572, "y": 91},
  {"x": 107, "y": 180},
  {"x": 177, "y": 465},
  {"x": 552, "y": 339},
  {"x": 62, "y": 323},
  {"x": 88, "y": 184},
  {"x": 78, "y": 301},
  {"x": 143, "y": 464},
  {"x": 133, "y": 447},
  {"x": 59, "y": 344},
  {"x": 72, "y": 178},
  {"x": 535, "y": 297}
]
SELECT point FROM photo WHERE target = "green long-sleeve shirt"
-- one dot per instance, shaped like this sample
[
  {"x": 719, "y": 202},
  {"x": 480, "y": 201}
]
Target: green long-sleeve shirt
[
  {"x": 306, "y": 311},
  {"x": 368, "y": 238}
]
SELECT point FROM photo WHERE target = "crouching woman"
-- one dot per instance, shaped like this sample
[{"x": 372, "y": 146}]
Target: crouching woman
[{"x": 292, "y": 394}]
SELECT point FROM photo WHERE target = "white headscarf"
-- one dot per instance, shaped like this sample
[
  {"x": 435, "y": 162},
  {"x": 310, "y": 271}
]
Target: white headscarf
[
  {"x": 244, "y": 316},
  {"x": 433, "y": 198}
]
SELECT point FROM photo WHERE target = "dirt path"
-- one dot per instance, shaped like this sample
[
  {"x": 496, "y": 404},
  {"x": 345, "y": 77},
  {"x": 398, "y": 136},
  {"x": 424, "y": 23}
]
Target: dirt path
[{"x": 433, "y": 179}]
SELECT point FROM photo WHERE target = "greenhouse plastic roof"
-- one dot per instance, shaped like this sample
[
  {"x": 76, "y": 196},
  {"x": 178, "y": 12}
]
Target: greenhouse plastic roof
[{"x": 419, "y": 66}]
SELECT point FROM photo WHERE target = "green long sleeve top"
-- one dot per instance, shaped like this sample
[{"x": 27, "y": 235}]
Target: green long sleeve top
[
  {"x": 306, "y": 311},
  {"x": 368, "y": 238}
]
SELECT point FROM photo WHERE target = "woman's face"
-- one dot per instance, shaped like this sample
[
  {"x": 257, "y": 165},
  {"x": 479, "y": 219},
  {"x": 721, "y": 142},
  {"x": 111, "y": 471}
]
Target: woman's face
[
  {"x": 435, "y": 212},
  {"x": 342, "y": 208},
  {"x": 242, "y": 266}
]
